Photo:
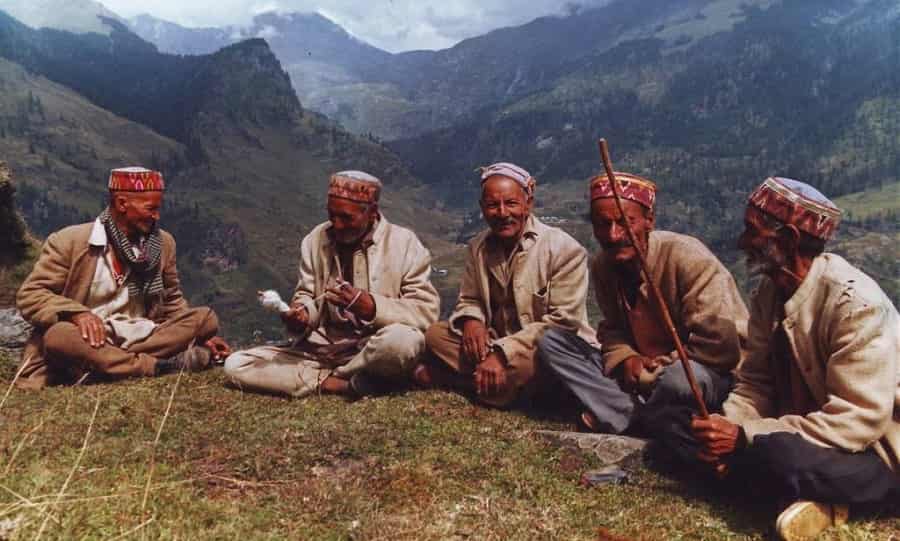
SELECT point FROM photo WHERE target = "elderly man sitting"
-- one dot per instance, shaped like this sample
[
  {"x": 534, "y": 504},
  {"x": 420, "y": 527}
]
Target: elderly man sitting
[
  {"x": 636, "y": 376},
  {"x": 522, "y": 277},
  {"x": 105, "y": 299},
  {"x": 815, "y": 412},
  {"x": 362, "y": 302}
]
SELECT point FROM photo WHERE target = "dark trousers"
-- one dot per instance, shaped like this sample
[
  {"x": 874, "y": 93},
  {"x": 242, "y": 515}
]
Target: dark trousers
[
  {"x": 579, "y": 367},
  {"x": 789, "y": 466}
]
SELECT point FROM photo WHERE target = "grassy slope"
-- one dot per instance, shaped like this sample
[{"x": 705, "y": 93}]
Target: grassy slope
[
  {"x": 67, "y": 149},
  {"x": 873, "y": 202},
  {"x": 425, "y": 465},
  {"x": 875, "y": 246}
]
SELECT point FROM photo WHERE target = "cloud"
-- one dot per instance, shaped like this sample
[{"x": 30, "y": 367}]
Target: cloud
[
  {"x": 267, "y": 32},
  {"x": 394, "y": 25}
]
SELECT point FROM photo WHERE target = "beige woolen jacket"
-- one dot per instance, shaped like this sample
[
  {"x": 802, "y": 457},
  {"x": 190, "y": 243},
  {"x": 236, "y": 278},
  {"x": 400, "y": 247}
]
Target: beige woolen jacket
[
  {"x": 399, "y": 274},
  {"x": 60, "y": 283},
  {"x": 549, "y": 285},
  {"x": 845, "y": 335},
  {"x": 702, "y": 297}
]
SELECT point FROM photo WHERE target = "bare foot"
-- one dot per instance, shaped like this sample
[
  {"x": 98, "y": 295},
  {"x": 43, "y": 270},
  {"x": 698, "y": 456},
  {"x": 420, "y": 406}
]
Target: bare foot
[
  {"x": 335, "y": 385},
  {"x": 422, "y": 376},
  {"x": 589, "y": 422}
]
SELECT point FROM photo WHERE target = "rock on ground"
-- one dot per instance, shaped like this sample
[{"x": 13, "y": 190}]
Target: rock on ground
[
  {"x": 609, "y": 448},
  {"x": 14, "y": 331}
]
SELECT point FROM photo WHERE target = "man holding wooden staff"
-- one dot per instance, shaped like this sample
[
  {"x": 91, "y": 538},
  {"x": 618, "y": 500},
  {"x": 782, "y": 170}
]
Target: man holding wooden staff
[
  {"x": 815, "y": 413},
  {"x": 636, "y": 375}
]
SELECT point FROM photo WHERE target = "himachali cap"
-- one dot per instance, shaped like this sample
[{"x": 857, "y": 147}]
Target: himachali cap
[
  {"x": 511, "y": 171},
  {"x": 355, "y": 186},
  {"x": 136, "y": 179},
  {"x": 634, "y": 188},
  {"x": 799, "y": 204}
]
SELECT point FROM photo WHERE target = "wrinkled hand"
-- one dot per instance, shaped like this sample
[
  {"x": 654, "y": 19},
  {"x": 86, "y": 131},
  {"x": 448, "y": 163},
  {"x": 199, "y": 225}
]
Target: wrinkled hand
[
  {"x": 718, "y": 437},
  {"x": 296, "y": 319},
  {"x": 490, "y": 376},
  {"x": 219, "y": 348},
  {"x": 343, "y": 294},
  {"x": 476, "y": 342},
  {"x": 91, "y": 327},
  {"x": 632, "y": 368}
]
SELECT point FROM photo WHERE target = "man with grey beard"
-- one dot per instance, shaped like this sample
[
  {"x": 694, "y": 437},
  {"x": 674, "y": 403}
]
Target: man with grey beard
[{"x": 815, "y": 412}]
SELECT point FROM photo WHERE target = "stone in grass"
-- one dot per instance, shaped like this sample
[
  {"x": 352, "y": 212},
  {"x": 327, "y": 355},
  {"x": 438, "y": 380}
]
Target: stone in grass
[
  {"x": 8, "y": 527},
  {"x": 609, "y": 448},
  {"x": 14, "y": 331}
]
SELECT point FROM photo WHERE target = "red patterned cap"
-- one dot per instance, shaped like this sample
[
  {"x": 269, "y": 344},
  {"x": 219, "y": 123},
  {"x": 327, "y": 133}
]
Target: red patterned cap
[
  {"x": 355, "y": 186},
  {"x": 634, "y": 188},
  {"x": 136, "y": 179},
  {"x": 796, "y": 203}
]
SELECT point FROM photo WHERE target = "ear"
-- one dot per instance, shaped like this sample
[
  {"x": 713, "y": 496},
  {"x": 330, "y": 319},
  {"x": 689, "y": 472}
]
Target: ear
[
  {"x": 789, "y": 239},
  {"x": 651, "y": 219},
  {"x": 120, "y": 201}
]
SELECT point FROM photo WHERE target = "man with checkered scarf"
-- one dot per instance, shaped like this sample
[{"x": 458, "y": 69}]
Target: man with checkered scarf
[{"x": 105, "y": 299}]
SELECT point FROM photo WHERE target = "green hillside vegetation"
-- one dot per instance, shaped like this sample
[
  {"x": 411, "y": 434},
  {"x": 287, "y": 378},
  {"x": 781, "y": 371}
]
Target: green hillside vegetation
[
  {"x": 877, "y": 202},
  {"x": 13, "y": 236},
  {"x": 61, "y": 147},
  {"x": 805, "y": 90},
  {"x": 17, "y": 248},
  {"x": 870, "y": 236}
]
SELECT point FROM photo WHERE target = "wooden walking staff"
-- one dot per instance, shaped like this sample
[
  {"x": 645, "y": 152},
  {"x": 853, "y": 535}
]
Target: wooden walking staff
[{"x": 721, "y": 469}]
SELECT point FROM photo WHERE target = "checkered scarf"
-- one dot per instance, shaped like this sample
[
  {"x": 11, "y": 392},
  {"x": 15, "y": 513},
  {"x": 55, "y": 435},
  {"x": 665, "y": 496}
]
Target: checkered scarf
[{"x": 146, "y": 273}]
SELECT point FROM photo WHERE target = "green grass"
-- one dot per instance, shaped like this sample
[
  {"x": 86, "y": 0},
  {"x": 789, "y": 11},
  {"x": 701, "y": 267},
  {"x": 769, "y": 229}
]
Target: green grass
[
  {"x": 422, "y": 465},
  {"x": 873, "y": 202}
]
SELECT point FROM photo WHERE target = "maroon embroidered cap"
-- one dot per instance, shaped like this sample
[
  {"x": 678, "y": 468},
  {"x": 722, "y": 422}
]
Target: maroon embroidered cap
[
  {"x": 634, "y": 188},
  {"x": 136, "y": 179},
  {"x": 799, "y": 204}
]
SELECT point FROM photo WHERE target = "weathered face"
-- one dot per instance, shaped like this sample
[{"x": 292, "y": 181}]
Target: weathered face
[
  {"x": 505, "y": 207},
  {"x": 610, "y": 232},
  {"x": 138, "y": 212},
  {"x": 759, "y": 244},
  {"x": 350, "y": 220}
]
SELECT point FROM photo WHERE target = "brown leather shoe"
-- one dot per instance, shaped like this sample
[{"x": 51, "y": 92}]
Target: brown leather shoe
[{"x": 804, "y": 520}]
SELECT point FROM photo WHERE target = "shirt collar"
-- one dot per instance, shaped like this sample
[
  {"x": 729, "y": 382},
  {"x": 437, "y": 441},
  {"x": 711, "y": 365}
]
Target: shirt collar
[
  {"x": 98, "y": 234},
  {"x": 807, "y": 286}
]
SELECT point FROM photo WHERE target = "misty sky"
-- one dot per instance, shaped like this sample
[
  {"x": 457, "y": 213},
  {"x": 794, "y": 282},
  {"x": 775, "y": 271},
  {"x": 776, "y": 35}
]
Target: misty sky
[{"x": 393, "y": 25}]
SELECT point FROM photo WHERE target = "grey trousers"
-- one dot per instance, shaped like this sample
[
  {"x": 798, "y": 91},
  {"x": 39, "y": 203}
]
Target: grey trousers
[{"x": 579, "y": 366}]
